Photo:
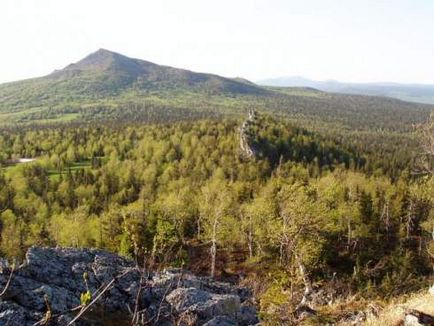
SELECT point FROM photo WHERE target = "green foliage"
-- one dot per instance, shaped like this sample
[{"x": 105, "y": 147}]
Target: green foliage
[
  {"x": 330, "y": 188},
  {"x": 161, "y": 190},
  {"x": 85, "y": 298},
  {"x": 109, "y": 87},
  {"x": 12, "y": 236}
]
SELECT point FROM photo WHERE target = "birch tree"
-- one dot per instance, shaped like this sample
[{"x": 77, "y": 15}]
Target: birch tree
[
  {"x": 302, "y": 224},
  {"x": 216, "y": 208},
  {"x": 425, "y": 159}
]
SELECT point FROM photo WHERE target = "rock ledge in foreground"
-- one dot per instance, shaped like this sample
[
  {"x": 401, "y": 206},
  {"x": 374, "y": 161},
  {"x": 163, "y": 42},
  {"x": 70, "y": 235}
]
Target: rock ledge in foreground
[{"x": 54, "y": 277}]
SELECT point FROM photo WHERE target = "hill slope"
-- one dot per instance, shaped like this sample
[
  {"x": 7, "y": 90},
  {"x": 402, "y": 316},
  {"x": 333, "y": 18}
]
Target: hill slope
[
  {"x": 105, "y": 73},
  {"x": 109, "y": 86}
]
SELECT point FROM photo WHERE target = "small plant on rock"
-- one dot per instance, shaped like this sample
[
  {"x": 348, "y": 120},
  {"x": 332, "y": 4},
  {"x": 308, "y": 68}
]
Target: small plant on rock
[{"x": 85, "y": 297}]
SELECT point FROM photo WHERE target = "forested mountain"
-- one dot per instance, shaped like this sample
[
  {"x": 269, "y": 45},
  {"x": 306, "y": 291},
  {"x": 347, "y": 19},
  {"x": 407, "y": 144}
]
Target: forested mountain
[
  {"x": 109, "y": 86},
  {"x": 105, "y": 74},
  {"x": 421, "y": 93}
]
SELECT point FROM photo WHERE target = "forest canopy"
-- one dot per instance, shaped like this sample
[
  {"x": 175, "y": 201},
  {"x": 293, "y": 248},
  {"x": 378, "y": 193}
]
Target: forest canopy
[{"x": 185, "y": 193}]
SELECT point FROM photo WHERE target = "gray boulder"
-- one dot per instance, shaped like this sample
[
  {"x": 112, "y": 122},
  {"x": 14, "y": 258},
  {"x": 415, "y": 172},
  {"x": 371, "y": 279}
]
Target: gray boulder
[
  {"x": 248, "y": 314},
  {"x": 415, "y": 317},
  {"x": 204, "y": 305},
  {"x": 52, "y": 280},
  {"x": 221, "y": 321}
]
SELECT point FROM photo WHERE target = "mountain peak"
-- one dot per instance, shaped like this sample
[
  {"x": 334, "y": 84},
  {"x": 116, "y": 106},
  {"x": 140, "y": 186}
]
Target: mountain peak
[
  {"x": 102, "y": 54},
  {"x": 98, "y": 60},
  {"x": 112, "y": 65},
  {"x": 107, "y": 72},
  {"x": 104, "y": 51}
]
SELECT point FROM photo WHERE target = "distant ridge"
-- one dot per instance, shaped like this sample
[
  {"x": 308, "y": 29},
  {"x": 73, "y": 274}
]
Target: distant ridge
[
  {"x": 422, "y": 93},
  {"x": 108, "y": 86}
]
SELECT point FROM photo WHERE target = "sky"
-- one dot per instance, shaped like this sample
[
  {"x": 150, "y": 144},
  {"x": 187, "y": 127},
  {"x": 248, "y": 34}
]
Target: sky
[{"x": 346, "y": 40}]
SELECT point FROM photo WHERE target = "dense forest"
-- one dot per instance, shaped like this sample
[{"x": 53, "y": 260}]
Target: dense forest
[{"x": 349, "y": 211}]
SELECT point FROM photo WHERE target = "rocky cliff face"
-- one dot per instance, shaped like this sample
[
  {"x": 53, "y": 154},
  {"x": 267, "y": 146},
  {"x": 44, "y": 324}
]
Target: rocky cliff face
[
  {"x": 47, "y": 289},
  {"x": 247, "y": 150}
]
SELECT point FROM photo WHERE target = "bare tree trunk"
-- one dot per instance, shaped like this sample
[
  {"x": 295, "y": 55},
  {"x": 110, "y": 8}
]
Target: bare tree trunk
[
  {"x": 429, "y": 252},
  {"x": 426, "y": 158},
  {"x": 284, "y": 241},
  {"x": 307, "y": 284},
  {"x": 250, "y": 241},
  {"x": 283, "y": 249},
  {"x": 214, "y": 247},
  {"x": 199, "y": 230},
  {"x": 409, "y": 222},
  {"x": 385, "y": 216},
  {"x": 432, "y": 233},
  {"x": 420, "y": 246}
]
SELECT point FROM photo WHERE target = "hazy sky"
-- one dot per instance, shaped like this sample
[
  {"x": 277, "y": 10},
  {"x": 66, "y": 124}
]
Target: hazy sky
[{"x": 348, "y": 40}]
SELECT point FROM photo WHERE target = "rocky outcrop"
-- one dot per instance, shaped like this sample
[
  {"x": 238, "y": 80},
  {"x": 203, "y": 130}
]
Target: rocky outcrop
[
  {"x": 431, "y": 290},
  {"x": 204, "y": 305},
  {"x": 415, "y": 317},
  {"x": 246, "y": 147},
  {"x": 47, "y": 288}
]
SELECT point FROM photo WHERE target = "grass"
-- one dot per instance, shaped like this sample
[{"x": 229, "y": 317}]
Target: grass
[
  {"x": 377, "y": 312},
  {"x": 300, "y": 91},
  {"x": 395, "y": 312},
  {"x": 54, "y": 175},
  {"x": 8, "y": 168},
  {"x": 60, "y": 118},
  {"x": 23, "y": 117}
]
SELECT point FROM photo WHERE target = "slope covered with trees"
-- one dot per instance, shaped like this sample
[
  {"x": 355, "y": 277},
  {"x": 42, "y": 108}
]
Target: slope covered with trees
[
  {"x": 336, "y": 192},
  {"x": 109, "y": 86},
  {"x": 183, "y": 193},
  {"x": 105, "y": 74}
]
